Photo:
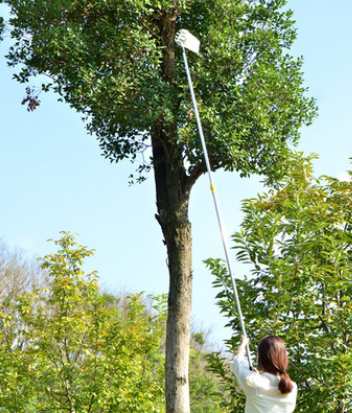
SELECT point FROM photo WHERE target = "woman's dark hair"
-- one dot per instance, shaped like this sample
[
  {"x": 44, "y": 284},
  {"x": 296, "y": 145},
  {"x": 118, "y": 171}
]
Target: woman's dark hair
[{"x": 272, "y": 358}]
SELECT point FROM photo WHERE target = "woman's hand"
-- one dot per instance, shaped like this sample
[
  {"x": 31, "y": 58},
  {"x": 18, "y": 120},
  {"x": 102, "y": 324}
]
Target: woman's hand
[{"x": 244, "y": 343}]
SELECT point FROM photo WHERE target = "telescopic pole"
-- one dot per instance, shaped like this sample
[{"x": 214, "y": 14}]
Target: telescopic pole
[{"x": 217, "y": 209}]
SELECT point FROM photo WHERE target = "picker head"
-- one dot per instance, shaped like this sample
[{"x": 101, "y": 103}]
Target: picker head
[{"x": 188, "y": 41}]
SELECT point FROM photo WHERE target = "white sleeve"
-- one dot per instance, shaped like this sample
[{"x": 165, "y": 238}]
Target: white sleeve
[
  {"x": 294, "y": 394},
  {"x": 245, "y": 377}
]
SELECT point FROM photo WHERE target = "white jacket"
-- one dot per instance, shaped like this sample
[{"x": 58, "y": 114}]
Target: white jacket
[{"x": 261, "y": 390}]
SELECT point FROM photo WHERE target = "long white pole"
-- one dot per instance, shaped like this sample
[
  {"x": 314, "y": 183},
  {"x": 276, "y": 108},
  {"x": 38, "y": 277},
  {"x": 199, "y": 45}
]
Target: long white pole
[{"x": 216, "y": 204}]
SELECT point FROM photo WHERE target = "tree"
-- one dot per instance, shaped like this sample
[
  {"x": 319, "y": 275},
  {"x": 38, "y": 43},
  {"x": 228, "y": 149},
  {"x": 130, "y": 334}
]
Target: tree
[
  {"x": 116, "y": 62},
  {"x": 18, "y": 274},
  {"x": 298, "y": 240},
  {"x": 74, "y": 349}
]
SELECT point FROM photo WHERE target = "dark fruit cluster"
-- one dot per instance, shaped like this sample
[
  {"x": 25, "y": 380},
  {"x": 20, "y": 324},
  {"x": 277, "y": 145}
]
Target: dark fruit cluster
[{"x": 32, "y": 100}]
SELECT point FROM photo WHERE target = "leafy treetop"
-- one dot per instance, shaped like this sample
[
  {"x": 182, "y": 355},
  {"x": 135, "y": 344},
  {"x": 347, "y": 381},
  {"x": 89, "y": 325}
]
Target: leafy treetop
[{"x": 116, "y": 62}]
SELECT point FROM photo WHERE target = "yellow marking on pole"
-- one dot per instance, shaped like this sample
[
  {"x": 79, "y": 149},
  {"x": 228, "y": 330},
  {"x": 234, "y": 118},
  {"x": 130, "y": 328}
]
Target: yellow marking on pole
[{"x": 212, "y": 188}]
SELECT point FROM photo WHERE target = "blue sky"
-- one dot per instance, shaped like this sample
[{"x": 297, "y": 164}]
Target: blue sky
[{"x": 53, "y": 178}]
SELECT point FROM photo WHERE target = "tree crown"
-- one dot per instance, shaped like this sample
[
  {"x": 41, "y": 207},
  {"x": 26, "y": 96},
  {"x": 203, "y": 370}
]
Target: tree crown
[{"x": 117, "y": 63}]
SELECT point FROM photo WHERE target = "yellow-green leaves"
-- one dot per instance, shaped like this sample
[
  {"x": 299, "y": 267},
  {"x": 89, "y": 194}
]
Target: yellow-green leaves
[{"x": 75, "y": 348}]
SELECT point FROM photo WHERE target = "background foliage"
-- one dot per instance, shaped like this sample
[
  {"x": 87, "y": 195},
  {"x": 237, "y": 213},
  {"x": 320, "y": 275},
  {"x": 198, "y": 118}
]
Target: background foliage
[
  {"x": 297, "y": 239},
  {"x": 70, "y": 347},
  {"x": 67, "y": 345}
]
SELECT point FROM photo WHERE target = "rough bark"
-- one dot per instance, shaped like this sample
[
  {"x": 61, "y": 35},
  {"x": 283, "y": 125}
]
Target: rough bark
[{"x": 172, "y": 192}]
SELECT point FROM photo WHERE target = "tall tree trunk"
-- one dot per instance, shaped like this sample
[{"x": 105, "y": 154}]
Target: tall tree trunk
[
  {"x": 172, "y": 191},
  {"x": 177, "y": 232},
  {"x": 173, "y": 187}
]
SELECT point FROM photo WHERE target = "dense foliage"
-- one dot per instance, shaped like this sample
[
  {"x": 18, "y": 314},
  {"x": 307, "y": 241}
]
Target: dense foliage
[
  {"x": 117, "y": 63},
  {"x": 207, "y": 392},
  {"x": 70, "y": 347},
  {"x": 298, "y": 240},
  {"x": 67, "y": 345}
]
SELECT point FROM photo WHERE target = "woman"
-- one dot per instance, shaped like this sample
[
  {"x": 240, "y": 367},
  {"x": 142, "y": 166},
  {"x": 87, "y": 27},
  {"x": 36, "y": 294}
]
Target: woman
[{"x": 272, "y": 391}]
